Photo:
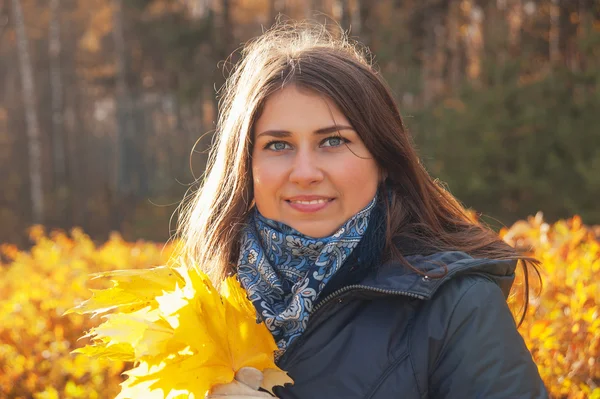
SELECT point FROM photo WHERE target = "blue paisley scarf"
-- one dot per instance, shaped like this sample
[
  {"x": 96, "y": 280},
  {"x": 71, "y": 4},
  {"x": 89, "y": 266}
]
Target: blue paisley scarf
[{"x": 284, "y": 271}]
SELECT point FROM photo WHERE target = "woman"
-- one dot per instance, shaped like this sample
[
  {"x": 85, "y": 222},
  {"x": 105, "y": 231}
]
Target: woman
[{"x": 372, "y": 278}]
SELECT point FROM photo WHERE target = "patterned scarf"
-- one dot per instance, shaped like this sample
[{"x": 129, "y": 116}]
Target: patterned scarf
[{"x": 284, "y": 271}]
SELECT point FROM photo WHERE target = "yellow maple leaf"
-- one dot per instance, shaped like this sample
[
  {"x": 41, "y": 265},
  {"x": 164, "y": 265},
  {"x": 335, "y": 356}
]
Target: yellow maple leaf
[
  {"x": 132, "y": 290},
  {"x": 244, "y": 332},
  {"x": 184, "y": 336}
]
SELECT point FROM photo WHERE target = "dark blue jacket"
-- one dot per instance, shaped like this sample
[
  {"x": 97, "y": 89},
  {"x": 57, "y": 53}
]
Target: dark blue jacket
[{"x": 400, "y": 335}]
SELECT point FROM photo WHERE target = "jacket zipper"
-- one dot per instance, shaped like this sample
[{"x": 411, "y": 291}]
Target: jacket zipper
[
  {"x": 329, "y": 298},
  {"x": 347, "y": 288}
]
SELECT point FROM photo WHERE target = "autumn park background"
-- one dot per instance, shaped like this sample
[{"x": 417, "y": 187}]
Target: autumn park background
[{"x": 107, "y": 109}]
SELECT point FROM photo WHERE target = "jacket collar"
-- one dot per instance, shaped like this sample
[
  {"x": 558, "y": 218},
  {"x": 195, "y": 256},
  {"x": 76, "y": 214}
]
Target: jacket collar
[{"x": 396, "y": 277}]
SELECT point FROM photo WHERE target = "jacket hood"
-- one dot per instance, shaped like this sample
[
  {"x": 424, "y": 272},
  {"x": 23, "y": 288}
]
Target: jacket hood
[{"x": 394, "y": 276}]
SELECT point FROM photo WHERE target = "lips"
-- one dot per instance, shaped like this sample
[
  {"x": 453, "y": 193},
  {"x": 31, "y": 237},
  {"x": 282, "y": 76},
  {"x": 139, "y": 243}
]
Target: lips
[
  {"x": 309, "y": 203},
  {"x": 319, "y": 201}
]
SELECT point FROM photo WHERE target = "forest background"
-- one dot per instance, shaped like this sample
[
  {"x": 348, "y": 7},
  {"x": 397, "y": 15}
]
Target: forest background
[
  {"x": 103, "y": 101},
  {"x": 107, "y": 108}
]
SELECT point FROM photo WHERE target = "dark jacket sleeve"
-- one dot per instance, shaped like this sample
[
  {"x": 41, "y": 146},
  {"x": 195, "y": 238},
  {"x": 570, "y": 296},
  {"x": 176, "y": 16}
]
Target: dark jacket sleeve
[{"x": 482, "y": 354}]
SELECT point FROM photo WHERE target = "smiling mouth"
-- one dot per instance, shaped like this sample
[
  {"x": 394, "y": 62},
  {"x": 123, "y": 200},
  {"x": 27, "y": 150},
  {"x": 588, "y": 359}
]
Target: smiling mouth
[
  {"x": 309, "y": 205},
  {"x": 310, "y": 202}
]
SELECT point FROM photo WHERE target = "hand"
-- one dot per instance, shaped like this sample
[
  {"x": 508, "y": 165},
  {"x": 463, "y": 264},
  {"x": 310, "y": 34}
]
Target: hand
[{"x": 244, "y": 386}]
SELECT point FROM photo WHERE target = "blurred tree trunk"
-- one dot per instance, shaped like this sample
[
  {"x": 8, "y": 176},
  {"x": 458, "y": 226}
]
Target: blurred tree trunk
[
  {"x": 227, "y": 27},
  {"x": 223, "y": 43},
  {"x": 125, "y": 129},
  {"x": 3, "y": 21},
  {"x": 345, "y": 14},
  {"x": 427, "y": 58},
  {"x": 275, "y": 8},
  {"x": 364, "y": 9},
  {"x": 554, "y": 34},
  {"x": 440, "y": 32},
  {"x": 584, "y": 27},
  {"x": 310, "y": 7},
  {"x": 433, "y": 54},
  {"x": 515, "y": 24},
  {"x": 57, "y": 90},
  {"x": 474, "y": 41},
  {"x": 76, "y": 131},
  {"x": 142, "y": 113},
  {"x": 198, "y": 8},
  {"x": 585, "y": 21},
  {"x": 73, "y": 122},
  {"x": 31, "y": 117},
  {"x": 453, "y": 22}
]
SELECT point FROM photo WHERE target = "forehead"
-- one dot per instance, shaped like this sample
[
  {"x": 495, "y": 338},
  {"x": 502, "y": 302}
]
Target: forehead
[{"x": 298, "y": 109}]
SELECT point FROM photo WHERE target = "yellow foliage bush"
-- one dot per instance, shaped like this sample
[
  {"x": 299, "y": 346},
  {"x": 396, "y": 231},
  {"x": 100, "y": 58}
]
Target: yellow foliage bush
[
  {"x": 562, "y": 328},
  {"x": 36, "y": 288}
]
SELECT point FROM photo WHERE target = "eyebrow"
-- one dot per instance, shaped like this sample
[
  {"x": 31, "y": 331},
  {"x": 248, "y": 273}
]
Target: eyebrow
[{"x": 287, "y": 133}]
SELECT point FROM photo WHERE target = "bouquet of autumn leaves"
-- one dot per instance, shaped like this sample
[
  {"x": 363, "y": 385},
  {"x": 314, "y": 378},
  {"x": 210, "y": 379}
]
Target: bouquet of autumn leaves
[{"x": 183, "y": 336}]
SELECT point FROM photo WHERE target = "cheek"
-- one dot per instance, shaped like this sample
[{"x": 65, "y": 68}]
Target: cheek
[
  {"x": 358, "y": 177},
  {"x": 265, "y": 179}
]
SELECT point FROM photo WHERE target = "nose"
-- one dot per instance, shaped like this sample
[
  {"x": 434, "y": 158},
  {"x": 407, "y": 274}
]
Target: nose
[{"x": 306, "y": 169}]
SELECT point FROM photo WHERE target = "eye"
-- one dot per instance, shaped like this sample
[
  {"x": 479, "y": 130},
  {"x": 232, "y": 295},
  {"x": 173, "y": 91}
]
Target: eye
[
  {"x": 334, "y": 141},
  {"x": 277, "y": 146}
]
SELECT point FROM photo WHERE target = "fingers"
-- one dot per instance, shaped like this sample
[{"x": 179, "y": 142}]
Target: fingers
[
  {"x": 233, "y": 388},
  {"x": 236, "y": 390},
  {"x": 245, "y": 386},
  {"x": 250, "y": 376}
]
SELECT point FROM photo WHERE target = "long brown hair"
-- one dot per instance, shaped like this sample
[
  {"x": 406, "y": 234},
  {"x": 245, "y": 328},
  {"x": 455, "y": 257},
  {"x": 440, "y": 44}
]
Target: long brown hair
[{"x": 311, "y": 57}]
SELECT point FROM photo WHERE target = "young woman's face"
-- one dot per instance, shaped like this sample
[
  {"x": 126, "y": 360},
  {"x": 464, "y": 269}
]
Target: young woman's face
[{"x": 310, "y": 168}]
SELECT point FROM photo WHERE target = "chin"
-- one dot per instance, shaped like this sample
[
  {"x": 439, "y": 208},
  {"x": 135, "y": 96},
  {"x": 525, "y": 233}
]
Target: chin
[{"x": 315, "y": 231}]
